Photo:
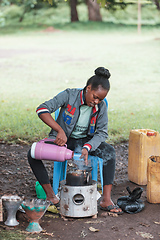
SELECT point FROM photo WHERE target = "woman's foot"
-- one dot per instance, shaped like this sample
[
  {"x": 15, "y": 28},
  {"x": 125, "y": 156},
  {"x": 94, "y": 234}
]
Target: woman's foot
[
  {"x": 110, "y": 207},
  {"x": 53, "y": 200},
  {"x": 50, "y": 194}
]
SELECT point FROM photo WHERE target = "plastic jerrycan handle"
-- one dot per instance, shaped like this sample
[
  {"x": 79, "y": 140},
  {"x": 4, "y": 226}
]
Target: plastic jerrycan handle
[{"x": 150, "y": 133}]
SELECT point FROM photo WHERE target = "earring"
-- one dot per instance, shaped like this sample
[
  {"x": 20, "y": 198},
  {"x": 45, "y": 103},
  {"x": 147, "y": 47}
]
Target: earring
[{"x": 86, "y": 91}]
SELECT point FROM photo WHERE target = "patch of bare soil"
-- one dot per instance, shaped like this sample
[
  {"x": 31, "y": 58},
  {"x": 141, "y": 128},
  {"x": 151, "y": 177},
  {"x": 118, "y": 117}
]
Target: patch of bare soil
[
  {"x": 17, "y": 178},
  {"x": 51, "y": 30}
]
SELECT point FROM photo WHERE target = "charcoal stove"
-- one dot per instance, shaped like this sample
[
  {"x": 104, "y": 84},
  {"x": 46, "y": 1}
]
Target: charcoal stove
[{"x": 78, "y": 194}]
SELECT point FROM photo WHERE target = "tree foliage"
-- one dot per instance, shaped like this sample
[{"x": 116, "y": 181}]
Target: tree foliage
[
  {"x": 93, "y": 6},
  {"x": 28, "y": 5},
  {"x": 109, "y": 4},
  {"x": 114, "y": 4}
]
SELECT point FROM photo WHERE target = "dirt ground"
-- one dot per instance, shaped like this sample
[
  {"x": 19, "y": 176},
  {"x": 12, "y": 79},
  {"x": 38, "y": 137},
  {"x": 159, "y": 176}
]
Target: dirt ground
[{"x": 17, "y": 178}]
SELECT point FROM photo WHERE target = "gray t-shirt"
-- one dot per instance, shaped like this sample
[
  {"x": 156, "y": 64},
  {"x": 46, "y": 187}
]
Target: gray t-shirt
[{"x": 80, "y": 130}]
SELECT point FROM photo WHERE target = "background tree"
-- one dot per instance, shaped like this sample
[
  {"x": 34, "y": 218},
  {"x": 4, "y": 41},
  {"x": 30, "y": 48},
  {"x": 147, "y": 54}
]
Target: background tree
[
  {"x": 73, "y": 9},
  {"x": 93, "y": 11},
  {"x": 157, "y": 3},
  {"x": 93, "y": 6}
]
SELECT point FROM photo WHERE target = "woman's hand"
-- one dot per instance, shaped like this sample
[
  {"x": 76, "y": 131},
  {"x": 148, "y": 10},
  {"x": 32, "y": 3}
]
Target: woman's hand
[
  {"x": 84, "y": 155},
  {"x": 61, "y": 138}
]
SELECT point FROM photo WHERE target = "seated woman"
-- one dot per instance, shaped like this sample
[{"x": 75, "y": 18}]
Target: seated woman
[{"x": 82, "y": 123}]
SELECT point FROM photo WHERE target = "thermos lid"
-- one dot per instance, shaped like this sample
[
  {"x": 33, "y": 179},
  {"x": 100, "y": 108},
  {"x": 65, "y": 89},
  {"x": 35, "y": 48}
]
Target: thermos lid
[{"x": 33, "y": 150}]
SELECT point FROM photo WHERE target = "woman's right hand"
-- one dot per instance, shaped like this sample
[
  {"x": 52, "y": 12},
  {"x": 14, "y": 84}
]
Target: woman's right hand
[{"x": 61, "y": 138}]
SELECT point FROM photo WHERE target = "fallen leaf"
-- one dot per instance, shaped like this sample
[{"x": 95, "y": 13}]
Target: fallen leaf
[
  {"x": 95, "y": 221},
  {"x": 51, "y": 216},
  {"x": 23, "y": 141},
  {"x": 28, "y": 238},
  {"x": 114, "y": 228},
  {"x": 92, "y": 229},
  {"x": 145, "y": 225},
  {"x": 105, "y": 214},
  {"x": 65, "y": 219},
  {"x": 144, "y": 235},
  {"x": 83, "y": 234},
  {"x": 48, "y": 234}
]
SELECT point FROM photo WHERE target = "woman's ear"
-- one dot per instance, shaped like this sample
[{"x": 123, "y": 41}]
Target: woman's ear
[{"x": 88, "y": 88}]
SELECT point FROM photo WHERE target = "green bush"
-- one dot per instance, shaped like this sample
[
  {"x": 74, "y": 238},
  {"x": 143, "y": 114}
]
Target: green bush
[
  {"x": 13, "y": 12},
  {"x": 2, "y": 20}
]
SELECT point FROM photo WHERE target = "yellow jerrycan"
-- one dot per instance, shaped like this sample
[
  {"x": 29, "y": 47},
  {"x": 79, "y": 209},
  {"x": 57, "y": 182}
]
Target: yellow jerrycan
[
  {"x": 142, "y": 144},
  {"x": 153, "y": 179}
]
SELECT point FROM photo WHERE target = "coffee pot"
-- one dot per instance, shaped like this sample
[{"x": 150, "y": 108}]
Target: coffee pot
[{"x": 46, "y": 149}]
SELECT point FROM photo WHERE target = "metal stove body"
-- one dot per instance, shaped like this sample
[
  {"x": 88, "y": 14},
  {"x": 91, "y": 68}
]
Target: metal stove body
[{"x": 78, "y": 201}]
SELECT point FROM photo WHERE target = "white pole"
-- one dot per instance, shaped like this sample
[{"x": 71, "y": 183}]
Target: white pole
[{"x": 139, "y": 16}]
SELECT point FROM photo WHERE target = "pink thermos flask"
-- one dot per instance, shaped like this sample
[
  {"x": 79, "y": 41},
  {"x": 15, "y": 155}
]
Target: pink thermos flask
[{"x": 46, "y": 149}]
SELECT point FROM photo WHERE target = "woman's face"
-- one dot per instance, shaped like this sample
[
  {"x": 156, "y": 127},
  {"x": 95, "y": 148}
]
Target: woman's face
[{"x": 93, "y": 97}]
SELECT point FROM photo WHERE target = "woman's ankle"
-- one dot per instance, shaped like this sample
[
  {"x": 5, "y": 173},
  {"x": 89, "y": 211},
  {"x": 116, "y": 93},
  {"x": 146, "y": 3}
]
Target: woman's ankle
[
  {"x": 52, "y": 199},
  {"x": 50, "y": 194}
]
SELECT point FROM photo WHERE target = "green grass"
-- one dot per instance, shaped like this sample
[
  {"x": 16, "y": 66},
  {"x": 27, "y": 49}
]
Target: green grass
[
  {"x": 18, "y": 235},
  {"x": 9, "y": 235},
  {"x": 15, "y": 234},
  {"x": 36, "y": 65}
]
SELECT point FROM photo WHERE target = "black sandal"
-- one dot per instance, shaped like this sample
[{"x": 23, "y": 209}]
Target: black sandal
[{"x": 111, "y": 207}]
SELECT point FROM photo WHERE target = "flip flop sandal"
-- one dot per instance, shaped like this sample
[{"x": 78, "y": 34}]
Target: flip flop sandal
[{"x": 111, "y": 207}]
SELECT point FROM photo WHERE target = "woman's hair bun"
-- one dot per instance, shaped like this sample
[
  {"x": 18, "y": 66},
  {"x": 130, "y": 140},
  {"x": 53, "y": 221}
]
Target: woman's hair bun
[{"x": 101, "y": 71}]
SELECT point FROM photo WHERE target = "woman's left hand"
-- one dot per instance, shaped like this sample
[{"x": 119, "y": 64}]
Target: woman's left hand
[{"x": 84, "y": 155}]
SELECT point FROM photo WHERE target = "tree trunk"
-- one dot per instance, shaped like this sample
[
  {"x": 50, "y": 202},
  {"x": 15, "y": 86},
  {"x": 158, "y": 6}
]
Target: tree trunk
[
  {"x": 93, "y": 10},
  {"x": 74, "y": 13},
  {"x": 22, "y": 16},
  {"x": 157, "y": 2}
]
